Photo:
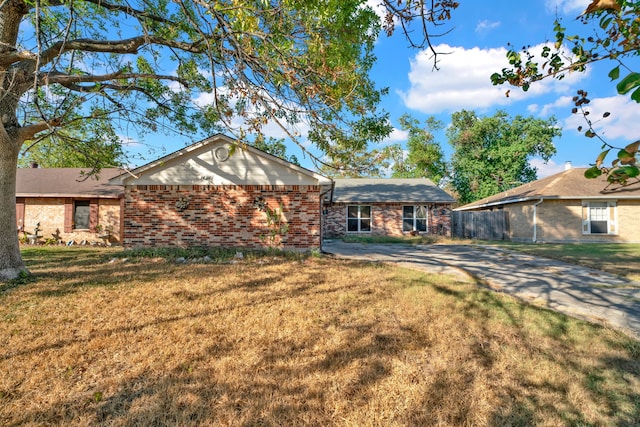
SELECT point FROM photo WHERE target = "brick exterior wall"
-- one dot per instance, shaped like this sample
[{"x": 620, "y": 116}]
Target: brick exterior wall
[
  {"x": 50, "y": 213},
  {"x": 560, "y": 221},
  {"x": 386, "y": 219},
  {"x": 223, "y": 215}
]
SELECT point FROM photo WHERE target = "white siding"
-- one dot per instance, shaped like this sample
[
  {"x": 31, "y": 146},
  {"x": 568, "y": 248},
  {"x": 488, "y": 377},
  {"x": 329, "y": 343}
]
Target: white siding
[{"x": 203, "y": 167}]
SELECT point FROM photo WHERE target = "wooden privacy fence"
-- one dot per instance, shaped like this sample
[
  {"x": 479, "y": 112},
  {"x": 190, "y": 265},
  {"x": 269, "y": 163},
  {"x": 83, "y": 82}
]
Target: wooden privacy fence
[{"x": 481, "y": 225}]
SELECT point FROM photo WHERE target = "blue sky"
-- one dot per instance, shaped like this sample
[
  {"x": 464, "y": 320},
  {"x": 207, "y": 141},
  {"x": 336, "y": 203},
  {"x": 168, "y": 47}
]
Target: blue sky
[
  {"x": 475, "y": 48},
  {"x": 477, "y": 43}
]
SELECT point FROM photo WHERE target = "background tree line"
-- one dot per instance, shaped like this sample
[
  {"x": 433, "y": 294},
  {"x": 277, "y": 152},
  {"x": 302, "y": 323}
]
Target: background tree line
[{"x": 489, "y": 154}]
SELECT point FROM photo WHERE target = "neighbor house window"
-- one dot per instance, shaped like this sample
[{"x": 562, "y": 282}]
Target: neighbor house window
[
  {"x": 414, "y": 218},
  {"x": 358, "y": 218},
  {"x": 81, "y": 214},
  {"x": 599, "y": 218}
]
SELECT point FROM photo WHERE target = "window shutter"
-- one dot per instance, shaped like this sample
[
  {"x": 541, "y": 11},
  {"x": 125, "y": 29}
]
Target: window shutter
[
  {"x": 613, "y": 217},
  {"x": 585, "y": 218},
  {"x": 93, "y": 215},
  {"x": 20, "y": 214},
  {"x": 68, "y": 215}
]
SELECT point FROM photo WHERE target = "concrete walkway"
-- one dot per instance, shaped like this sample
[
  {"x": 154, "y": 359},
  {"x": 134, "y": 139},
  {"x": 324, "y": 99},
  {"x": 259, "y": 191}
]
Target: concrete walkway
[{"x": 577, "y": 291}]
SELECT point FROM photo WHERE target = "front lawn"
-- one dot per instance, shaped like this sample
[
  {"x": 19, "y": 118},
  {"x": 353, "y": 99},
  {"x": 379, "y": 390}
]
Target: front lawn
[{"x": 104, "y": 338}]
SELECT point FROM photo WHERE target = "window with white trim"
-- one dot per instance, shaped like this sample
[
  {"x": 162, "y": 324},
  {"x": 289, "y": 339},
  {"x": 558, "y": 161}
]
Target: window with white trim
[
  {"x": 358, "y": 218},
  {"x": 414, "y": 218},
  {"x": 599, "y": 217}
]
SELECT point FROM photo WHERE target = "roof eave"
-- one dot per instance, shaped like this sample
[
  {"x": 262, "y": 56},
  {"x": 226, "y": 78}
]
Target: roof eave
[
  {"x": 394, "y": 201},
  {"x": 71, "y": 195},
  {"x": 537, "y": 198}
]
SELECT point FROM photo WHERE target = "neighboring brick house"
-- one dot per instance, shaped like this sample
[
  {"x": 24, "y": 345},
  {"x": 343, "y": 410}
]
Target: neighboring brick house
[
  {"x": 568, "y": 208},
  {"x": 219, "y": 192},
  {"x": 383, "y": 206},
  {"x": 67, "y": 206}
]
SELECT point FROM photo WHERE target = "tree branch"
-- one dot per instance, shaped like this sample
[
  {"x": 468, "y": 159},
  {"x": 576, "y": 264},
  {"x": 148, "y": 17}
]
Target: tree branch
[
  {"x": 66, "y": 79},
  {"x": 128, "y": 10},
  {"x": 100, "y": 88},
  {"x": 124, "y": 46},
  {"x": 29, "y": 131},
  {"x": 9, "y": 58}
]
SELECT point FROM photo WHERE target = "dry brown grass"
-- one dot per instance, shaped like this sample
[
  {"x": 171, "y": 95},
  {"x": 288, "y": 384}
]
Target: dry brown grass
[{"x": 308, "y": 342}]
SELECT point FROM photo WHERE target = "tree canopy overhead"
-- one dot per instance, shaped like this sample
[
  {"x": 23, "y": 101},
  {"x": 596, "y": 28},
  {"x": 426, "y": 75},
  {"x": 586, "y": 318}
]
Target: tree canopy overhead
[{"x": 196, "y": 68}]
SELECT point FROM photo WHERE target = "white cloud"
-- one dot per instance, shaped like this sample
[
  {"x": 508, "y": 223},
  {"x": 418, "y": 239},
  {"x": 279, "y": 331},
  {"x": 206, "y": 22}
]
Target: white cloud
[
  {"x": 397, "y": 135},
  {"x": 486, "y": 26},
  {"x": 204, "y": 98},
  {"x": 622, "y": 124},
  {"x": 567, "y": 7},
  {"x": 563, "y": 101},
  {"x": 547, "y": 168},
  {"x": 129, "y": 141},
  {"x": 463, "y": 80}
]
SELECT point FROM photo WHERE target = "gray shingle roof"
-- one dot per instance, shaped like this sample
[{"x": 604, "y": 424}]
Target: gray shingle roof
[
  {"x": 570, "y": 184},
  {"x": 389, "y": 190},
  {"x": 66, "y": 182}
]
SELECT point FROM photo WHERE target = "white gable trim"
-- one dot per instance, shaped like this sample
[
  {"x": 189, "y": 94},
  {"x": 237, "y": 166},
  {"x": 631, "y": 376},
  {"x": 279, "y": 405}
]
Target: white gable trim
[{"x": 190, "y": 152}]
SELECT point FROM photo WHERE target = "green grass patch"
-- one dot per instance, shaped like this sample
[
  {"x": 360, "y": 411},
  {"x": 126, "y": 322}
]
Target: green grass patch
[
  {"x": 89, "y": 255},
  {"x": 620, "y": 259},
  {"x": 405, "y": 240},
  {"x": 215, "y": 255}
]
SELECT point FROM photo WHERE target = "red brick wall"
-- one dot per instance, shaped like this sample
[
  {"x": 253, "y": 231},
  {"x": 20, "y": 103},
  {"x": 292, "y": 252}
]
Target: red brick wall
[
  {"x": 219, "y": 216},
  {"x": 386, "y": 219}
]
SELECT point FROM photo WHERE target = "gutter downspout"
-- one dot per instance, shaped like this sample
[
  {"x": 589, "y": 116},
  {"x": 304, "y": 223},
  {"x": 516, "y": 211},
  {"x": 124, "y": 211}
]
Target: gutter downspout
[
  {"x": 330, "y": 190},
  {"x": 535, "y": 219}
]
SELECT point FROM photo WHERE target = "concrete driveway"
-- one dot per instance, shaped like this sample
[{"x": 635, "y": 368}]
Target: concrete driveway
[{"x": 577, "y": 291}]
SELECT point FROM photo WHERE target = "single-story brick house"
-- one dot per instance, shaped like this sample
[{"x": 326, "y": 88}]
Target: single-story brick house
[
  {"x": 218, "y": 192},
  {"x": 67, "y": 206},
  {"x": 381, "y": 206},
  {"x": 568, "y": 208}
]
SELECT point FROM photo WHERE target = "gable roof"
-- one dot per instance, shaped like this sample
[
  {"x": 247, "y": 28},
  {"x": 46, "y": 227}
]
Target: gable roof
[
  {"x": 388, "y": 190},
  {"x": 66, "y": 182},
  {"x": 569, "y": 184},
  {"x": 220, "y": 160}
]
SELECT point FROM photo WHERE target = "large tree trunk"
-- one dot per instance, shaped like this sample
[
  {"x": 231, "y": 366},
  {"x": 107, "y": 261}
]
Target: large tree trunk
[
  {"x": 11, "y": 88},
  {"x": 10, "y": 260}
]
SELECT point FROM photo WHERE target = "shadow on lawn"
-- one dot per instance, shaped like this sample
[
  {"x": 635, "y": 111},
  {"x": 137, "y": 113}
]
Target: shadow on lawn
[
  {"x": 272, "y": 391},
  {"x": 525, "y": 409}
]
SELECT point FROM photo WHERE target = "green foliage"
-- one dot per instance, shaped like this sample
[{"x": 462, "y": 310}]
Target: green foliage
[
  {"x": 623, "y": 169},
  {"x": 277, "y": 225},
  {"x": 217, "y": 255},
  {"x": 74, "y": 148},
  {"x": 275, "y": 147},
  {"x": 425, "y": 158},
  {"x": 24, "y": 278},
  {"x": 140, "y": 67},
  {"x": 491, "y": 154},
  {"x": 613, "y": 35},
  {"x": 364, "y": 162}
]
